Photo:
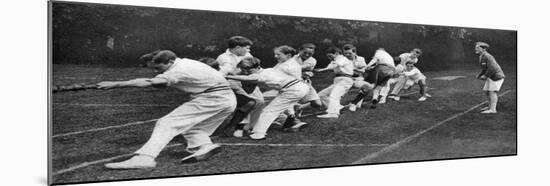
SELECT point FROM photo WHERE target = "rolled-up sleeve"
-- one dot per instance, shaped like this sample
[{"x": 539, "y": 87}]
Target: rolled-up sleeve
[
  {"x": 332, "y": 65},
  {"x": 172, "y": 78},
  {"x": 309, "y": 64},
  {"x": 360, "y": 63}
]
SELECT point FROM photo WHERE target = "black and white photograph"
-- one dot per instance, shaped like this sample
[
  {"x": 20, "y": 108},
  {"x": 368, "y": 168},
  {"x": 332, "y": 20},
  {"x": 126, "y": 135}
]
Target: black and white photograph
[
  {"x": 147, "y": 92},
  {"x": 275, "y": 93}
]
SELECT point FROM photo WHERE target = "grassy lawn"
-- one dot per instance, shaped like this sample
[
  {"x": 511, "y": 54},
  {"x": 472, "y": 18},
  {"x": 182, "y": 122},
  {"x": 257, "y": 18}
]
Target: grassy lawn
[{"x": 324, "y": 143}]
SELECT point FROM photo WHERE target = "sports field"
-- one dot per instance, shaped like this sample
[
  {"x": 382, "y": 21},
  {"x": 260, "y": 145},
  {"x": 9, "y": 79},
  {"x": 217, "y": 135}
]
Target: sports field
[{"x": 90, "y": 128}]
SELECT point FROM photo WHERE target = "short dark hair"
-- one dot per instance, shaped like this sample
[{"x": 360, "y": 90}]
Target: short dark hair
[
  {"x": 149, "y": 56},
  {"x": 249, "y": 63},
  {"x": 307, "y": 45},
  {"x": 482, "y": 45},
  {"x": 334, "y": 50},
  {"x": 164, "y": 56},
  {"x": 210, "y": 62},
  {"x": 285, "y": 49},
  {"x": 349, "y": 46},
  {"x": 417, "y": 51},
  {"x": 239, "y": 41}
]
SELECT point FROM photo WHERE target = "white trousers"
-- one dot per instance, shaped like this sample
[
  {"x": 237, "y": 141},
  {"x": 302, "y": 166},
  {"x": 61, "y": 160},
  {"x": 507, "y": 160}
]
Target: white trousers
[
  {"x": 196, "y": 120},
  {"x": 331, "y": 95},
  {"x": 405, "y": 82},
  {"x": 284, "y": 100},
  {"x": 255, "y": 113},
  {"x": 399, "y": 84},
  {"x": 311, "y": 94},
  {"x": 381, "y": 91}
]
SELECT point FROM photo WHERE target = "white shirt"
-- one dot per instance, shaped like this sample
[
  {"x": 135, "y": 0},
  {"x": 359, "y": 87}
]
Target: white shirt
[
  {"x": 308, "y": 64},
  {"x": 341, "y": 65},
  {"x": 359, "y": 63},
  {"x": 229, "y": 61},
  {"x": 406, "y": 57},
  {"x": 400, "y": 68},
  {"x": 192, "y": 76},
  {"x": 271, "y": 78},
  {"x": 381, "y": 57},
  {"x": 290, "y": 67}
]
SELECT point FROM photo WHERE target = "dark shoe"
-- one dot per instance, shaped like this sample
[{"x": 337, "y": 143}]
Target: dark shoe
[
  {"x": 373, "y": 106},
  {"x": 289, "y": 122},
  {"x": 374, "y": 102}
]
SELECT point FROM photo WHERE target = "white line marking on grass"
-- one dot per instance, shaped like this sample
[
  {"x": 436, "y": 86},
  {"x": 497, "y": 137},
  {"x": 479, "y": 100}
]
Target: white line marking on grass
[
  {"x": 299, "y": 145},
  {"x": 448, "y": 78},
  {"x": 86, "y": 164},
  {"x": 104, "y": 128},
  {"x": 365, "y": 159},
  {"x": 112, "y": 105},
  {"x": 412, "y": 137}
]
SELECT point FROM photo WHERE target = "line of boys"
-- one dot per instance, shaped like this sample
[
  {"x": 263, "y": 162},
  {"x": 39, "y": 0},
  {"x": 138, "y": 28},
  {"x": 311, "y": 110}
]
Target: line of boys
[{"x": 231, "y": 84}]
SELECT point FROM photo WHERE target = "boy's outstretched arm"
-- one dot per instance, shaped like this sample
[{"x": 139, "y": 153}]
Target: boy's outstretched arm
[{"x": 140, "y": 82}]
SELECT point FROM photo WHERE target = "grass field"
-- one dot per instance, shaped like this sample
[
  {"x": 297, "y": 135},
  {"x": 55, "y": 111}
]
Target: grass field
[{"x": 93, "y": 127}]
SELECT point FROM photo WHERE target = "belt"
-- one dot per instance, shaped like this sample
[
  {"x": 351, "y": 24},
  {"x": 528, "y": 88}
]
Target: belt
[
  {"x": 289, "y": 84},
  {"x": 214, "y": 89},
  {"x": 343, "y": 75}
]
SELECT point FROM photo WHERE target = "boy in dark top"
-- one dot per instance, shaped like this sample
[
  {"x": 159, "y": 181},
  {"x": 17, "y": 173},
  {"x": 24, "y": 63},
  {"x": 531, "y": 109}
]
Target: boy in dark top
[{"x": 492, "y": 74}]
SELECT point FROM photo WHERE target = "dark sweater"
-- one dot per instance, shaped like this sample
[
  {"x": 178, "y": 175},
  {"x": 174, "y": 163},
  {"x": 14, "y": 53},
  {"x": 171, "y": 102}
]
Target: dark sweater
[{"x": 490, "y": 67}]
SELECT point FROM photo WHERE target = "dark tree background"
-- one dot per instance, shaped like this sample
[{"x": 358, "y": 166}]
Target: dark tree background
[{"x": 112, "y": 35}]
